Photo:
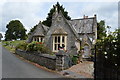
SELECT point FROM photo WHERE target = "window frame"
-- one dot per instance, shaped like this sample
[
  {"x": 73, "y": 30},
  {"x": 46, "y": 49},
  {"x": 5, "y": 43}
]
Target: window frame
[
  {"x": 38, "y": 39},
  {"x": 59, "y": 43}
]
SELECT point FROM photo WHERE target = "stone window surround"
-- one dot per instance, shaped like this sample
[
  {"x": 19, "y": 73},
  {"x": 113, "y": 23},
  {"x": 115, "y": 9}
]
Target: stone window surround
[{"x": 61, "y": 42}]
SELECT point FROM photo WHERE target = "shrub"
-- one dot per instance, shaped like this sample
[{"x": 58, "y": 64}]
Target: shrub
[
  {"x": 46, "y": 50},
  {"x": 22, "y": 46},
  {"x": 38, "y": 46},
  {"x": 75, "y": 59},
  {"x": 6, "y": 43},
  {"x": 30, "y": 46}
]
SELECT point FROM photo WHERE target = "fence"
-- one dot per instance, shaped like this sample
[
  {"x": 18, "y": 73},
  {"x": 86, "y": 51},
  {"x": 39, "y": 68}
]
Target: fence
[{"x": 103, "y": 67}]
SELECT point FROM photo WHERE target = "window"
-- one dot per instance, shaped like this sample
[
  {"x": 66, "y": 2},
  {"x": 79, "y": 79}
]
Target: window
[
  {"x": 59, "y": 41},
  {"x": 38, "y": 39}
]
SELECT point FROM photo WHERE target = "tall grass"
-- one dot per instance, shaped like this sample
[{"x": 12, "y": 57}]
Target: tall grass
[{"x": 10, "y": 45}]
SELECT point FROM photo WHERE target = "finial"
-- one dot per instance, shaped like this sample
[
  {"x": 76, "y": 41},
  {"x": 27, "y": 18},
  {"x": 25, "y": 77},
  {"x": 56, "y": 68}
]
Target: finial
[{"x": 56, "y": 8}]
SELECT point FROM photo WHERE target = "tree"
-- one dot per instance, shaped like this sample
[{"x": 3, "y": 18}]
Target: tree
[
  {"x": 1, "y": 36},
  {"x": 48, "y": 20},
  {"x": 15, "y": 30},
  {"x": 101, "y": 29},
  {"x": 108, "y": 55},
  {"x": 32, "y": 29}
]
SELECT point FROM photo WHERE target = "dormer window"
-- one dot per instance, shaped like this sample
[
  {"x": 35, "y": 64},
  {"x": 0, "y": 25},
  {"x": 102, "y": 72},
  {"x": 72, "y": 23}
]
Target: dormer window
[{"x": 38, "y": 39}]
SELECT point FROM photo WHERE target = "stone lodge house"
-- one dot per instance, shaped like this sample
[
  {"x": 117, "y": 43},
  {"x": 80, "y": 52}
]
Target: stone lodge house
[{"x": 72, "y": 34}]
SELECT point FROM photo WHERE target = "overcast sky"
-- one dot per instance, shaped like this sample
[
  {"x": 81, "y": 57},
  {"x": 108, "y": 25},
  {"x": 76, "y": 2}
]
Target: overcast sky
[{"x": 30, "y": 13}]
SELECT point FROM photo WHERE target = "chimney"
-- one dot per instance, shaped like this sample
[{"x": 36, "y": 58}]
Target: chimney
[
  {"x": 85, "y": 17},
  {"x": 95, "y": 15}
]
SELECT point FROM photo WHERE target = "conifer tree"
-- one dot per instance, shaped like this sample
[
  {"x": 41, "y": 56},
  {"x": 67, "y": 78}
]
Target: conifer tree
[{"x": 48, "y": 20}]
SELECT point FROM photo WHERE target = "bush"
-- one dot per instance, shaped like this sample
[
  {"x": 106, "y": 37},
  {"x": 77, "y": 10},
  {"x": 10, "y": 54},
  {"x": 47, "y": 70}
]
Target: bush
[
  {"x": 46, "y": 50},
  {"x": 22, "y": 46},
  {"x": 6, "y": 43},
  {"x": 31, "y": 47},
  {"x": 34, "y": 46},
  {"x": 75, "y": 59},
  {"x": 38, "y": 46},
  {"x": 107, "y": 50}
]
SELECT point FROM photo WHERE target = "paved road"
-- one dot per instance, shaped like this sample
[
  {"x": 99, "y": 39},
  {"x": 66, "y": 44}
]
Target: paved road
[{"x": 13, "y": 67}]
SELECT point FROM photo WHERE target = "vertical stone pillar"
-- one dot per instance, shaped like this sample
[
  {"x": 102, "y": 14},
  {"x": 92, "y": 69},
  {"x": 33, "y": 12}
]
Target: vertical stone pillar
[{"x": 60, "y": 60}]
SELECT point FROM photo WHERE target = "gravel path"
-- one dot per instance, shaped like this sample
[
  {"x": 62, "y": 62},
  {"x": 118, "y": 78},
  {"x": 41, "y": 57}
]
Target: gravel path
[{"x": 85, "y": 69}]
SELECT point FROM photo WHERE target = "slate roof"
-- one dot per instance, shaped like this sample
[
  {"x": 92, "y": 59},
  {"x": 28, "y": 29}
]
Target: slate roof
[
  {"x": 83, "y": 25},
  {"x": 40, "y": 30},
  {"x": 75, "y": 33},
  {"x": 46, "y": 28},
  {"x": 87, "y": 39}
]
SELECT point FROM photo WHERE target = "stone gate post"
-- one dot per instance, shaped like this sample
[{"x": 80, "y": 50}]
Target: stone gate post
[{"x": 60, "y": 60}]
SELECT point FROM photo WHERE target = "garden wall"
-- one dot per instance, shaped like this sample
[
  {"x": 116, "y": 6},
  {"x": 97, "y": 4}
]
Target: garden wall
[
  {"x": 57, "y": 62},
  {"x": 49, "y": 61}
]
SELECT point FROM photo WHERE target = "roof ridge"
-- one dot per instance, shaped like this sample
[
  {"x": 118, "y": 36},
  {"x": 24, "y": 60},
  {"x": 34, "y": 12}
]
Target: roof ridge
[{"x": 82, "y": 18}]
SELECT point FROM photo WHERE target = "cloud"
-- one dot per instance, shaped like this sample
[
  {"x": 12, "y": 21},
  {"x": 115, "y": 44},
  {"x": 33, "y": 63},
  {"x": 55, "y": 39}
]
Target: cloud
[
  {"x": 30, "y": 13},
  {"x": 24, "y": 11},
  {"x": 107, "y": 11}
]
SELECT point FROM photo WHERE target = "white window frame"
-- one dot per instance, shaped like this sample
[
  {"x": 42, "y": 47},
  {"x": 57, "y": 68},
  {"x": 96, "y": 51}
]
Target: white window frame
[
  {"x": 38, "y": 39},
  {"x": 57, "y": 43}
]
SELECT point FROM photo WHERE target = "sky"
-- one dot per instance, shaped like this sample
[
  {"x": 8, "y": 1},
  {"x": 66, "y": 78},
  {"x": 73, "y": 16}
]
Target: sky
[{"x": 30, "y": 13}]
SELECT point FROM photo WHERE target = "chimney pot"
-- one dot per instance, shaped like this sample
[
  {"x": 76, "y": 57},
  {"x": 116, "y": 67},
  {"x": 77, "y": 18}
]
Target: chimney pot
[
  {"x": 84, "y": 16},
  {"x": 94, "y": 15}
]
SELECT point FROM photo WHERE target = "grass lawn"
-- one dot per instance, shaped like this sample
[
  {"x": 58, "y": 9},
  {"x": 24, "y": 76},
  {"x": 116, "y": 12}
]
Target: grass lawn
[{"x": 10, "y": 45}]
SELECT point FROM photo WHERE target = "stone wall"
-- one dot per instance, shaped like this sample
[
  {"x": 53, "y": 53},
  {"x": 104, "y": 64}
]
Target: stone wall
[
  {"x": 46, "y": 60},
  {"x": 63, "y": 61},
  {"x": 57, "y": 62}
]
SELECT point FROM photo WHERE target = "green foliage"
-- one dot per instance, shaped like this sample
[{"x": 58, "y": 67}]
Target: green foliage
[
  {"x": 74, "y": 59},
  {"x": 1, "y": 36},
  {"x": 11, "y": 45},
  {"x": 108, "y": 49},
  {"x": 39, "y": 47},
  {"x": 101, "y": 30},
  {"x": 30, "y": 46},
  {"x": 32, "y": 29},
  {"x": 22, "y": 46},
  {"x": 5, "y": 43},
  {"x": 48, "y": 20},
  {"x": 15, "y": 30}
]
